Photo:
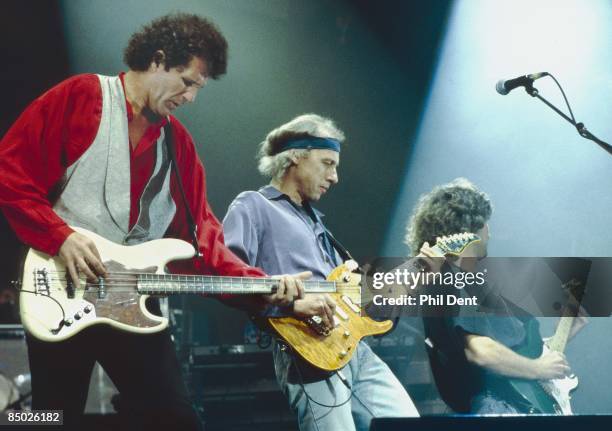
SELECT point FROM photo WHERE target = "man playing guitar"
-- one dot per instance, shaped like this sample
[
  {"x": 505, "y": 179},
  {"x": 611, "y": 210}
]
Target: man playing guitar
[
  {"x": 276, "y": 228},
  {"x": 467, "y": 352},
  {"x": 92, "y": 153}
]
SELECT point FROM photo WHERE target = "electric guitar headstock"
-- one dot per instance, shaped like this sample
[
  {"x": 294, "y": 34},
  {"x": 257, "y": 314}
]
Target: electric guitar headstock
[
  {"x": 574, "y": 288},
  {"x": 456, "y": 244}
]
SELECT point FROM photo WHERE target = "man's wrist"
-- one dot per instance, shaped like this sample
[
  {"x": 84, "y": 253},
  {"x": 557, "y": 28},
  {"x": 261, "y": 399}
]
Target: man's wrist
[{"x": 57, "y": 237}]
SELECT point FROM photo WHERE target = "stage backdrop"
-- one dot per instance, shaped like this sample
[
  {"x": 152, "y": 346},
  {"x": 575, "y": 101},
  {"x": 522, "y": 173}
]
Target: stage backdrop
[
  {"x": 369, "y": 67},
  {"x": 551, "y": 189},
  {"x": 365, "y": 66}
]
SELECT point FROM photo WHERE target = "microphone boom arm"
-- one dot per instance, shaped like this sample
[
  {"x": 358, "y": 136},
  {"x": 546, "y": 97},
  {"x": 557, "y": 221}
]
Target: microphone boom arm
[{"x": 582, "y": 130}]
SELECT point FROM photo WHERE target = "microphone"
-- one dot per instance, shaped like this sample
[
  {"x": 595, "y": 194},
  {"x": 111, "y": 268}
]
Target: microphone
[{"x": 505, "y": 87}]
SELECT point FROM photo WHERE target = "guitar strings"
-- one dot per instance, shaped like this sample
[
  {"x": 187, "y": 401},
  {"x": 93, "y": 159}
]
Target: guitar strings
[
  {"x": 134, "y": 287},
  {"x": 212, "y": 277},
  {"x": 204, "y": 280},
  {"x": 134, "y": 280},
  {"x": 216, "y": 278}
]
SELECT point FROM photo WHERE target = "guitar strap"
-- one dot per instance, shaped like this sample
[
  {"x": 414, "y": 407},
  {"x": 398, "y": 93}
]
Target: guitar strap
[
  {"x": 342, "y": 251},
  {"x": 193, "y": 227},
  {"x": 330, "y": 242}
]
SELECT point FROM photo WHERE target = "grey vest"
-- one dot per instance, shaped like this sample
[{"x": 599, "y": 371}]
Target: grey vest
[{"x": 94, "y": 193}]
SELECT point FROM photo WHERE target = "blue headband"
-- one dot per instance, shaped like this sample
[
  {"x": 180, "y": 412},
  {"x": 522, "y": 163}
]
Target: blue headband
[{"x": 311, "y": 143}]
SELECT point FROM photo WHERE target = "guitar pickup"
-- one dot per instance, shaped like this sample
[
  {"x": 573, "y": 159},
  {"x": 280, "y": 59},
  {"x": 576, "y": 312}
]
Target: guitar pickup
[
  {"x": 350, "y": 303},
  {"x": 101, "y": 288},
  {"x": 69, "y": 287},
  {"x": 340, "y": 312}
]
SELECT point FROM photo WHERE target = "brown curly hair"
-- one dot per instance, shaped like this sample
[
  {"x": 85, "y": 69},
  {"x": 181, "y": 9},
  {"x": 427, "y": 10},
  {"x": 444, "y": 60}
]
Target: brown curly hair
[
  {"x": 451, "y": 208},
  {"x": 180, "y": 36}
]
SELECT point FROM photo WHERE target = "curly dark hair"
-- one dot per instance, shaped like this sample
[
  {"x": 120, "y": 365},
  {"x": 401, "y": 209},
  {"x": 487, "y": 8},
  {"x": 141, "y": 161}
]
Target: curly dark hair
[
  {"x": 180, "y": 36},
  {"x": 451, "y": 208}
]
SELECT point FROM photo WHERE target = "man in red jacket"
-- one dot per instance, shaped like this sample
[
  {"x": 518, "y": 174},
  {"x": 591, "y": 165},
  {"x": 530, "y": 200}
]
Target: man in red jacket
[{"x": 91, "y": 152}]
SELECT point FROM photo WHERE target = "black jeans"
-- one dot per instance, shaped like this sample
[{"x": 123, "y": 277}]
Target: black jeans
[{"x": 143, "y": 367}]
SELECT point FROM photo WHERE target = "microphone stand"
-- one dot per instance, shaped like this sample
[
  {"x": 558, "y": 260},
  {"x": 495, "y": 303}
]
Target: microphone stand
[{"x": 582, "y": 130}]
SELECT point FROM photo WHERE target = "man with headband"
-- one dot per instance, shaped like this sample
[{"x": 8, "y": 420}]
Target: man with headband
[{"x": 277, "y": 229}]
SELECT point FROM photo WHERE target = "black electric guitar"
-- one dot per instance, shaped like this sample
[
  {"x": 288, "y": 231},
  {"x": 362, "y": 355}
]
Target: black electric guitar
[{"x": 549, "y": 396}]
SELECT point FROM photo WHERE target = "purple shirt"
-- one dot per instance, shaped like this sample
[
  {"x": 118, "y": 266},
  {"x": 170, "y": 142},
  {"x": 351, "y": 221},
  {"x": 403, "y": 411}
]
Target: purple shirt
[{"x": 266, "y": 229}]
